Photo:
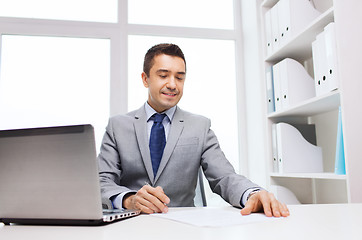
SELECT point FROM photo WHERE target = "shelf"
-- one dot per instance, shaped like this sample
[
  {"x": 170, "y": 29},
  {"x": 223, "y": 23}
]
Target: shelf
[
  {"x": 313, "y": 106},
  {"x": 331, "y": 176},
  {"x": 300, "y": 47}
]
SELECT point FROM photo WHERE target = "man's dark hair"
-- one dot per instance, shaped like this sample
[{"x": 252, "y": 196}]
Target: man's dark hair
[{"x": 163, "y": 48}]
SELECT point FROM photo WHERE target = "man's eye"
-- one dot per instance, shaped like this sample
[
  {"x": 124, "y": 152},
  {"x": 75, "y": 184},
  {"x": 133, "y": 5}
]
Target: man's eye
[{"x": 163, "y": 76}]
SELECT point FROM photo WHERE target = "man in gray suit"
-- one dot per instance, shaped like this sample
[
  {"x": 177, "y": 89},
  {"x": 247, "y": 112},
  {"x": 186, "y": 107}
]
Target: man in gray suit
[{"x": 140, "y": 171}]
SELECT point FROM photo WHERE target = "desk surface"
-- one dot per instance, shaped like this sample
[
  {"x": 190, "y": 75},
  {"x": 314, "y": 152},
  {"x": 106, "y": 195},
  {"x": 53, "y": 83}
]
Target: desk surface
[{"x": 330, "y": 221}]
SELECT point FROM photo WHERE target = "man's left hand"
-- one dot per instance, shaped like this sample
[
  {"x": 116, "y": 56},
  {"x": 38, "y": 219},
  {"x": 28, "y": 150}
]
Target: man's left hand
[{"x": 263, "y": 201}]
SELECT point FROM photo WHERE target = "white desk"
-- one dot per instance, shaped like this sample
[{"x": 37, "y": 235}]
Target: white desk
[{"x": 327, "y": 222}]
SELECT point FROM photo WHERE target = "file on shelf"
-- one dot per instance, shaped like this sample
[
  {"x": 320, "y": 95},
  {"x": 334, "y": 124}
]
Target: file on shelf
[
  {"x": 324, "y": 50},
  {"x": 295, "y": 153},
  {"x": 292, "y": 84},
  {"x": 340, "y": 165}
]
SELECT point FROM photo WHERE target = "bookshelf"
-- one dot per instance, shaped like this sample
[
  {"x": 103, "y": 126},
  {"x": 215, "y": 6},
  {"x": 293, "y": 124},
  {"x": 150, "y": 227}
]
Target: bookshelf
[{"x": 322, "y": 110}]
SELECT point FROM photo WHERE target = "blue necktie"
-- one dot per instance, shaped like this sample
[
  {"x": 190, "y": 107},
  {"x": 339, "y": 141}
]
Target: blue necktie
[{"x": 157, "y": 141}]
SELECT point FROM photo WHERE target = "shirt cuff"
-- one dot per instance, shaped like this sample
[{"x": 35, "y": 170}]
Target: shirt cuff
[
  {"x": 117, "y": 200},
  {"x": 246, "y": 194}
]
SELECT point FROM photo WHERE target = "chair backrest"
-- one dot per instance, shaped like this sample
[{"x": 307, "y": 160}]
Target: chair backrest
[{"x": 200, "y": 197}]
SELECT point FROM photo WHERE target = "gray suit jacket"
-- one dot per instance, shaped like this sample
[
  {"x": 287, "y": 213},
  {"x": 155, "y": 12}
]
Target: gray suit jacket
[{"x": 125, "y": 162}]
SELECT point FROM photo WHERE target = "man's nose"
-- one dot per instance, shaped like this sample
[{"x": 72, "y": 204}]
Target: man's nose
[{"x": 171, "y": 84}]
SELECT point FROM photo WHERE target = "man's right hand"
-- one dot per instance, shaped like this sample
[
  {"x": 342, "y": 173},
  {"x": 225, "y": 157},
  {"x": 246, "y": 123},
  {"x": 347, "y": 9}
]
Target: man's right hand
[{"x": 148, "y": 199}]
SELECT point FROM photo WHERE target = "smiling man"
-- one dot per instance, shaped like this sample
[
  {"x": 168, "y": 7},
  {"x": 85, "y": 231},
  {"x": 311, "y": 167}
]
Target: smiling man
[
  {"x": 165, "y": 81},
  {"x": 150, "y": 157}
]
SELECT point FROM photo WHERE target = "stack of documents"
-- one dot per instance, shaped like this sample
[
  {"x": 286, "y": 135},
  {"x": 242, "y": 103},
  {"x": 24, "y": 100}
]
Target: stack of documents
[
  {"x": 285, "y": 20},
  {"x": 325, "y": 63}
]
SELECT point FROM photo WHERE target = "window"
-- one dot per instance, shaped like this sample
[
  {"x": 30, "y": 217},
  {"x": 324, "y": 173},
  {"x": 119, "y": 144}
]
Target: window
[
  {"x": 50, "y": 81},
  {"x": 217, "y": 14},
  {"x": 80, "y": 10}
]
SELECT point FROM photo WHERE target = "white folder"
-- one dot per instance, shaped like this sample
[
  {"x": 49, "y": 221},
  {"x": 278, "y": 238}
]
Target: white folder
[
  {"x": 277, "y": 87},
  {"x": 275, "y": 27},
  {"x": 268, "y": 32},
  {"x": 295, "y": 154},
  {"x": 275, "y": 148},
  {"x": 283, "y": 21},
  {"x": 296, "y": 84},
  {"x": 323, "y": 63},
  {"x": 331, "y": 57},
  {"x": 294, "y": 16},
  {"x": 270, "y": 89}
]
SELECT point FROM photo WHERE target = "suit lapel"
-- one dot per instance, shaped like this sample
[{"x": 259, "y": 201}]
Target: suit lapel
[
  {"x": 177, "y": 126},
  {"x": 140, "y": 125}
]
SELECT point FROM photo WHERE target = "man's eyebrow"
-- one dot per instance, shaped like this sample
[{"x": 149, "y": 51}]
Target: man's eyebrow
[
  {"x": 162, "y": 70},
  {"x": 167, "y": 71}
]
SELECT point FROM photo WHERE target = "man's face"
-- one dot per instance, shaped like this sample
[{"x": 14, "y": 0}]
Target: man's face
[{"x": 165, "y": 82}]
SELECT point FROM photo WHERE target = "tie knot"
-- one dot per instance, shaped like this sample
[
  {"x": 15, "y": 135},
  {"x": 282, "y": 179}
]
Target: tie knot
[{"x": 158, "y": 118}]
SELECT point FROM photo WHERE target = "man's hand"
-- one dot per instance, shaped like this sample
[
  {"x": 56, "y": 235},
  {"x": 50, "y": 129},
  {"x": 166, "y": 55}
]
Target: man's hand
[
  {"x": 148, "y": 199},
  {"x": 265, "y": 201}
]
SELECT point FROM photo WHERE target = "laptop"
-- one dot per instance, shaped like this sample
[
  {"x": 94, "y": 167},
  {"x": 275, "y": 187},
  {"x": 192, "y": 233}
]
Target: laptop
[{"x": 50, "y": 176}]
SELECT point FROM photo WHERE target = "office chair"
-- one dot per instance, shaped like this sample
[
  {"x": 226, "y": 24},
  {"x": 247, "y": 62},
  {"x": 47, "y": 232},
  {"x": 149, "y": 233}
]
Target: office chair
[{"x": 200, "y": 197}]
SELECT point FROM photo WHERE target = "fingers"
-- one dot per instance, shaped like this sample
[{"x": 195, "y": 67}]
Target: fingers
[
  {"x": 269, "y": 204},
  {"x": 160, "y": 194},
  {"x": 278, "y": 209},
  {"x": 265, "y": 201},
  {"x": 151, "y": 200},
  {"x": 284, "y": 210}
]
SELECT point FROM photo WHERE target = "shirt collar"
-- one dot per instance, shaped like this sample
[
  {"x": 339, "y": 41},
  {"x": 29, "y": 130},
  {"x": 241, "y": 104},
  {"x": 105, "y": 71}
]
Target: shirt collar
[{"x": 150, "y": 111}]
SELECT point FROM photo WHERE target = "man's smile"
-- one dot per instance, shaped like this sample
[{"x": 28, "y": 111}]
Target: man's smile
[{"x": 170, "y": 94}]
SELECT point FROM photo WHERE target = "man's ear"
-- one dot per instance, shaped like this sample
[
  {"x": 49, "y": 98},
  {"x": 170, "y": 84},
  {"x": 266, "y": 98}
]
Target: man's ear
[{"x": 145, "y": 79}]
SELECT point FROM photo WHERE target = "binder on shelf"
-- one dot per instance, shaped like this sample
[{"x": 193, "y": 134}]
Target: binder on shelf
[
  {"x": 331, "y": 55},
  {"x": 292, "y": 84},
  {"x": 288, "y": 18},
  {"x": 324, "y": 50},
  {"x": 275, "y": 27},
  {"x": 295, "y": 154},
  {"x": 277, "y": 87},
  {"x": 340, "y": 165},
  {"x": 270, "y": 89},
  {"x": 268, "y": 32},
  {"x": 274, "y": 148},
  {"x": 322, "y": 63}
]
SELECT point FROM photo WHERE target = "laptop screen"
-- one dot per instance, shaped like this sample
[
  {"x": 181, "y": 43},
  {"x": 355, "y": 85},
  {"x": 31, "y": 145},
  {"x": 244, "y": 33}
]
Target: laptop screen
[{"x": 49, "y": 173}]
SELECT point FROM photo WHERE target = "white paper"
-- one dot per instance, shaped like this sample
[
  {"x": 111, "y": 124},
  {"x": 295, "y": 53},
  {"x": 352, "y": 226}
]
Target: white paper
[{"x": 213, "y": 217}]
